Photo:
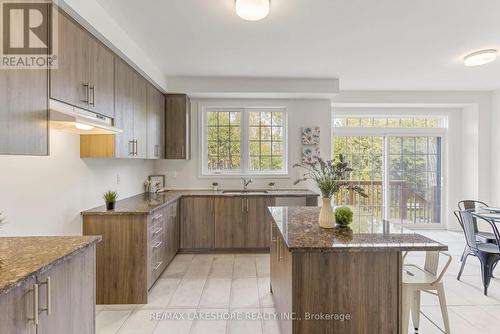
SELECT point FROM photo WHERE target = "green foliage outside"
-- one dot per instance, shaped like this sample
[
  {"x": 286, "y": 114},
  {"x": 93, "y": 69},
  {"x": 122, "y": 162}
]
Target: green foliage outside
[{"x": 265, "y": 135}]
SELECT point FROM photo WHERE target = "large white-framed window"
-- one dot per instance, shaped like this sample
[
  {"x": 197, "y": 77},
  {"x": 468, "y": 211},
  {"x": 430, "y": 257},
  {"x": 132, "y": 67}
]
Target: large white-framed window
[
  {"x": 243, "y": 141},
  {"x": 399, "y": 160}
]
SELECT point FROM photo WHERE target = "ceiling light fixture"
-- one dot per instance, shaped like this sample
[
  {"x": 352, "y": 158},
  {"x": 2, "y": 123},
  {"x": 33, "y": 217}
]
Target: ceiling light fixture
[
  {"x": 81, "y": 126},
  {"x": 252, "y": 10},
  {"x": 480, "y": 57}
]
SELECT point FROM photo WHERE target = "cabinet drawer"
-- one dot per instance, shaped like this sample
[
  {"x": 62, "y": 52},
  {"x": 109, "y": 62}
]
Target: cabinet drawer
[
  {"x": 156, "y": 231},
  {"x": 157, "y": 217},
  {"x": 158, "y": 260}
]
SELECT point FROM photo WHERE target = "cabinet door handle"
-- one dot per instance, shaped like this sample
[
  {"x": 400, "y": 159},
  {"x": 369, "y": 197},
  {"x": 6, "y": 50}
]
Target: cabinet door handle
[
  {"x": 35, "y": 304},
  {"x": 248, "y": 202},
  {"x": 87, "y": 93},
  {"x": 278, "y": 246},
  {"x": 156, "y": 151},
  {"x": 48, "y": 306},
  {"x": 135, "y": 147},
  {"x": 242, "y": 205},
  {"x": 92, "y": 101},
  {"x": 130, "y": 150}
]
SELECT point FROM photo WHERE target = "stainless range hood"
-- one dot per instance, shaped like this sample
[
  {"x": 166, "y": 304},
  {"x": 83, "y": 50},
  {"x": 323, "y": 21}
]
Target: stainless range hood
[{"x": 64, "y": 117}]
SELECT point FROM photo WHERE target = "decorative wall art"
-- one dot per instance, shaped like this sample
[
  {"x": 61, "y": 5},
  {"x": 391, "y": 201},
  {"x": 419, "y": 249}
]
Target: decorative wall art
[
  {"x": 310, "y": 136},
  {"x": 310, "y": 154}
]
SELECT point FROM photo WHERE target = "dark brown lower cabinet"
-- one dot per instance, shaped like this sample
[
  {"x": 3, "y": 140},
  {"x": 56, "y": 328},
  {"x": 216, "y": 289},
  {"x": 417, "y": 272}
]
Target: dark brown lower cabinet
[
  {"x": 66, "y": 299},
  {"x": 17, "y": 315},
  {"x": 72, "y": 296},
  {"x": 242, "y": 222},
  {"x": 361, "y": 285},
  {"x": 197, "y": 222},
  {"x": 230, "y": 222},
  {"x": 258, "y": 222},
  {"x": 134, "y": 251}
]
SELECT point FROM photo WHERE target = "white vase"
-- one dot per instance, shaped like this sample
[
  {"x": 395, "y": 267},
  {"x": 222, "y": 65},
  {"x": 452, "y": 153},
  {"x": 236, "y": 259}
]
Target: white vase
[{"x": 327, "y": 215}]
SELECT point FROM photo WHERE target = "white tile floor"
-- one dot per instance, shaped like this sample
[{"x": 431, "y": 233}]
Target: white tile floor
[{"x": 215, "y": 284}]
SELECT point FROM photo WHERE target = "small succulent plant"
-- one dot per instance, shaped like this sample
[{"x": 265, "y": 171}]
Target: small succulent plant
[{"x": 110, "y": 196}]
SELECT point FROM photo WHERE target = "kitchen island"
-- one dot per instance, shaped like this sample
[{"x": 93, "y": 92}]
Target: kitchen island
[
  {"x": 341, "y": 280},
  {"x": 47, "y": 284}
]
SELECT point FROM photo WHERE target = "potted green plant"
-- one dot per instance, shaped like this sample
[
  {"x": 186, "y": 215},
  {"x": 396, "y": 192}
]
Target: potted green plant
[
  {"x": 110, "y": 197},
  {"x": 330, "y": 177},
  {"x": 343, "y": 216}
]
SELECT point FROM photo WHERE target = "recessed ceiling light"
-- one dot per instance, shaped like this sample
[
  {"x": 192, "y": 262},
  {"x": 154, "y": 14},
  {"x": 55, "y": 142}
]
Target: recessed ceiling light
[
  {"x": 252, "y": 10},
  {"x": 480, "y": 57}
]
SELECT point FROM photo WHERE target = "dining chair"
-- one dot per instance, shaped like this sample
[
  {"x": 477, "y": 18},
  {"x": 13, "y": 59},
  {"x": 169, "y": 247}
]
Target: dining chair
[
  {"x": 475, "y": 205},
  {"x": 487, "y": 253},
  {"x": 426, "y": 279}
]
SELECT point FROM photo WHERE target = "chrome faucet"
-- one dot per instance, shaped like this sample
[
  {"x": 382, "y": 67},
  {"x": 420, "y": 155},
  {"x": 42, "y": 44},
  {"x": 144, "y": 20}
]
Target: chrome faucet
[{"x": 246, "y": 183}]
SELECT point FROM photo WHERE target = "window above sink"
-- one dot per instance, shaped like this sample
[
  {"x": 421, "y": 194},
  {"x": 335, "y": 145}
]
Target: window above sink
[{"x": 243, "y": 141}]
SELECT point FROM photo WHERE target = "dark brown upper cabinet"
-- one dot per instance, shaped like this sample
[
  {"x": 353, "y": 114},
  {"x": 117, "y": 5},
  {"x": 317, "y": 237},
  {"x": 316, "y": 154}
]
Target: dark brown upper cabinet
[
  {"x": 178, "y": 127},
  {"x": 156, "y": 116},
  {"x": 130, "y": 112},
  {"x": 84, "y": 76},
  {"x": 24, "y": 126},
  {"x": 24, "y": 112}
]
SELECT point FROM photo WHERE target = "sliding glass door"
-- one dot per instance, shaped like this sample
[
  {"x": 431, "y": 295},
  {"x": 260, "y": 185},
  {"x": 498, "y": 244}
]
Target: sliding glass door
[
  {"x": 366, "y": 154},
  {"x": 398, "y": 162},
  {"x": 413, "y": 179}
]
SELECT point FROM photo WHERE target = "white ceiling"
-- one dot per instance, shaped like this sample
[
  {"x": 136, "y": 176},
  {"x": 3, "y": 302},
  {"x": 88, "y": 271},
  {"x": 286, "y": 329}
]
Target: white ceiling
[{"x": 367, "y": 44}]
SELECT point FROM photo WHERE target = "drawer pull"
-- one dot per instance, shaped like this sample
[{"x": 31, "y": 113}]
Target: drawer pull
[
  {"x": 158, "y": 266},
  {"x": 157, "y": 231},
  {"x": 158, "y": 244}
]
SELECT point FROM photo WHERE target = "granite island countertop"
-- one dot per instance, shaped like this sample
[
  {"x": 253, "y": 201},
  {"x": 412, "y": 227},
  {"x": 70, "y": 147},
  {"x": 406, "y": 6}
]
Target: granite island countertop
[
  {"x": 301, "y": 232},
  {"x": 24, "y": 257},
  {"x": 147, "y": 203}
]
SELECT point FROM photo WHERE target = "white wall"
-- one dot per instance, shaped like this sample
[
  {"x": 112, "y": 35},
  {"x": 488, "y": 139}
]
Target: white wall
[
  {"x": 44, "y": 195},
  {"x": 301, "y": 113},
  {"x": 495, "y": 148}
]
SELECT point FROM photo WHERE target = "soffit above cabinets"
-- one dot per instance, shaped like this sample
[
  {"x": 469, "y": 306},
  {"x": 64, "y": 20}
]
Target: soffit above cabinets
[{"x": 247, "y": 87}]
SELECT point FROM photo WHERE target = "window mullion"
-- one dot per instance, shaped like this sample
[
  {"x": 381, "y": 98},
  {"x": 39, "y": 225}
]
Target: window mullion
[{"x": 245, "y": 154}]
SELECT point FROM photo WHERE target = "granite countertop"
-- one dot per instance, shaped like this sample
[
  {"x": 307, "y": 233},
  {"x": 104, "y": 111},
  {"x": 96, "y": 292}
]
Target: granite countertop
[
  {"x": 23, "y": 257},
  {"x": 147, "y": 203},
  {"x": 300, "y": 230}
]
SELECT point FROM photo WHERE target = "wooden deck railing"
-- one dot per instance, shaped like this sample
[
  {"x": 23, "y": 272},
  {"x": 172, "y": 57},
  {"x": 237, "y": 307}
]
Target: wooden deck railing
[{"x": 405, "y": 204}]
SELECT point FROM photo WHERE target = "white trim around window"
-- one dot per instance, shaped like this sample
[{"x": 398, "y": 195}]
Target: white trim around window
[{"x": 245, "y": 141}]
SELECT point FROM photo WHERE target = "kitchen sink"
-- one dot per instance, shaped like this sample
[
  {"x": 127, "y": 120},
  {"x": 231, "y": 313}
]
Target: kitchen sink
[{"x": 244, "y": 192}]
